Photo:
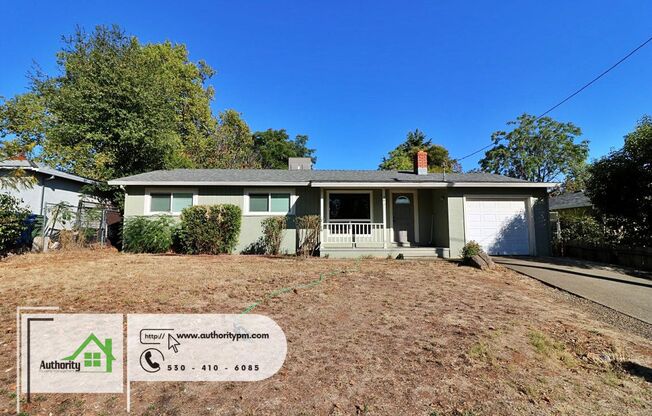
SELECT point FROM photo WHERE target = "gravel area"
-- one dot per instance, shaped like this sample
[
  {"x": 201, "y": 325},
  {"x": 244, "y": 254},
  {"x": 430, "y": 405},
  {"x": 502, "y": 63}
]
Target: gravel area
[{"x": 605, "y": 314}]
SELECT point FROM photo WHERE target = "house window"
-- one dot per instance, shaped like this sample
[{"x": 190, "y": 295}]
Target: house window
[
  {"x": 169, "y": 202},
  {"x": 349, "y": 206},
  {"x": 92, "y": 359},
  {"x": 259, "y": 202},
  {"x": 280, "y": 202},
  {"x": 160, "y": 202},
  {"x": 271, "y": 203}
]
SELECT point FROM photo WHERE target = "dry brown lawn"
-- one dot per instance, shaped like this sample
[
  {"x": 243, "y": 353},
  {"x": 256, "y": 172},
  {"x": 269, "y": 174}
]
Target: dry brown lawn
[{"x": 381, "y": 337}]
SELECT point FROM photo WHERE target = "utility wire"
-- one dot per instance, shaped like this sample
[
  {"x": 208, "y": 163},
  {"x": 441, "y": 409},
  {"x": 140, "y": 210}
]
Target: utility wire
[{"x": 585, "y": 86}]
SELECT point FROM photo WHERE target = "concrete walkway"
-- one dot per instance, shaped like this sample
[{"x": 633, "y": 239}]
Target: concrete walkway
[{"x": 607, "y": 286}]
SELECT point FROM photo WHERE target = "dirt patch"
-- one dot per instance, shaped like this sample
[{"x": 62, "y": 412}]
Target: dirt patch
[{"x": 375, "y": 337}]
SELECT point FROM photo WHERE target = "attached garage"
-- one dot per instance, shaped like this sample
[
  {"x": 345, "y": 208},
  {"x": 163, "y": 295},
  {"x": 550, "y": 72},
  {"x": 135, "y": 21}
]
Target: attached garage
[{"x": 500, "y": 225}]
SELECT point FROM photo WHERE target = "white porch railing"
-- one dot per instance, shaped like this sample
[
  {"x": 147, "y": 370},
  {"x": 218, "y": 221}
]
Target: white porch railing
[{"x": 353, "y": 234}]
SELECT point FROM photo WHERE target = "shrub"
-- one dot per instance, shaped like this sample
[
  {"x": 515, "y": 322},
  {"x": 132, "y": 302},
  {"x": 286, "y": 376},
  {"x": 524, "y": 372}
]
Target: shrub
[
  {"x": 209, "y": 229},
  {"x": 147, "y": 234},
  {"x": 273, "y": 228},
  {"x": 12, "y": 222},
  {"x": 585, "y": 229},
  {"x": 471, "y": 249},
  {"x": 309, "y": 227}
]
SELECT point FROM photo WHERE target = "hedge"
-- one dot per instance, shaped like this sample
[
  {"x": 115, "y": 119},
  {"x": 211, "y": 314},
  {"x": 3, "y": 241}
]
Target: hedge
[
  {"x": 148, "y": 234},
  {"x": 208, "y": 229}
]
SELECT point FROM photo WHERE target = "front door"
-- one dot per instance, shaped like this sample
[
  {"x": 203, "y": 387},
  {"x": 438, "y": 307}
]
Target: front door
[{"x": 403, "y": 217}]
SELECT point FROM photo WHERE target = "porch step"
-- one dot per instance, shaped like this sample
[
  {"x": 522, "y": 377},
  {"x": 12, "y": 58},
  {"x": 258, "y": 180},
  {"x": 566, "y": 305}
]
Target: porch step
[{"x": 407, "y": 252}]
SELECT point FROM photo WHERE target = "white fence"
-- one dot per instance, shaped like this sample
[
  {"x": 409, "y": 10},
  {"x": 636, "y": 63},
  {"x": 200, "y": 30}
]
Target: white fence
[{"x": 353, "y": 234}]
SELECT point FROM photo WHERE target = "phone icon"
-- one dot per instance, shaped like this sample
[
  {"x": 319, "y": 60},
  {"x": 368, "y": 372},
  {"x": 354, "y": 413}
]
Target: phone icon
[{"x": 150, "y": 360}]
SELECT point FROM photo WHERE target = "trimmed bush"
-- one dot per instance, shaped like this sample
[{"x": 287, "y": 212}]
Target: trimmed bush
[
  {"x": 471, "y": 249},
  {"x": 12, "y": 222},
  {"x": 273, "y": 229},
  {"x": 209, "y": 229},
  {"x": 148, "y": 234}
]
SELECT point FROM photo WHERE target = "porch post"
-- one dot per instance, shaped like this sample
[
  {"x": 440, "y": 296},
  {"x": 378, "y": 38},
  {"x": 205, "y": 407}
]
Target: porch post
[
  {"x": 321, "y": 216},
  {"x": 384, "y": 220}
]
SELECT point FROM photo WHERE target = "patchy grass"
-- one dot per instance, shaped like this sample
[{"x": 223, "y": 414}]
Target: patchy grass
[
  {"x": 374, "y": 337},
  {"x": 481, "y": 351},
  {"x": 552, "y": 349}
]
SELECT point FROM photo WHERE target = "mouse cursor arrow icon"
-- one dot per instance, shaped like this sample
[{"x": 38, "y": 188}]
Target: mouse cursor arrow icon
[{"x": 173, "y": 343}]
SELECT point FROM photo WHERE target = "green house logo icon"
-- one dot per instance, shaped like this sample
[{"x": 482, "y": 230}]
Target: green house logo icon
[{"x": 97, "y": 356}]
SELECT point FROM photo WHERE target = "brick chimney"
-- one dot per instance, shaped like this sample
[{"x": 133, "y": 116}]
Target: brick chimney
[
  {"x": 19, "y": 156},
  {"x": 421, "y": 163}
]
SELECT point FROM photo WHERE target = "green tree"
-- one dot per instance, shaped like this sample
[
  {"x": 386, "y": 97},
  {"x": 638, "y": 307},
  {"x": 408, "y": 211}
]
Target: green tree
[
  {"x": 21, "y": 129},
  {"x": 231, "y": 146},
  {"x": 274, "y": 147},
  {"x": 119, "y": 107},
  {"x": 402, "y": 157},
  {"x": 619, "y": 186},
  {"x": 116, "y": 107},
  {"x": 540, "y": 150}
]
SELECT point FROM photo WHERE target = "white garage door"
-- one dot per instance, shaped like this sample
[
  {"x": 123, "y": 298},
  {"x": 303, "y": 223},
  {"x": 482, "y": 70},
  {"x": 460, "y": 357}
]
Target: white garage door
[{"x": 500, "y": 226}]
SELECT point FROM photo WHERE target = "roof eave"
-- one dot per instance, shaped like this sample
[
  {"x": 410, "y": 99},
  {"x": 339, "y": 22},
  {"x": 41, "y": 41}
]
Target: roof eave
[
  {"x": 433, "y": 184},
  {"x": 58, "y": 174},
  {"x": 121, "y": 182},
  {"x": 318, "y": 184}
]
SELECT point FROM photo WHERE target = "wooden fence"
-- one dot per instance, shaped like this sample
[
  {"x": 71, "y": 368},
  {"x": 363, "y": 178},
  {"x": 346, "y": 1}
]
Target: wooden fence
[{"x": 636, "y": 257}]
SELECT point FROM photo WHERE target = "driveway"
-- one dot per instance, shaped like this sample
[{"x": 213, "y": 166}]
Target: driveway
[{"x": 611, "y": 287}]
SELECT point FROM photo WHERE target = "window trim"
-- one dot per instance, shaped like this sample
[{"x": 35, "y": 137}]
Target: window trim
[
  {"x": 327, "y": 202},
  {"x": 269, "y": 192},
  {"x": 171, "y": 191}
]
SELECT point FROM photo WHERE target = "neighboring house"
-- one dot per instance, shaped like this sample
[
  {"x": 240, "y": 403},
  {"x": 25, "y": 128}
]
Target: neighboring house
[
  {"x": 574, "y": 203},
  {"x": 97, "y": 356},
  {"x": 51, "y": 186},
  {"x": 363, "y": 212}
]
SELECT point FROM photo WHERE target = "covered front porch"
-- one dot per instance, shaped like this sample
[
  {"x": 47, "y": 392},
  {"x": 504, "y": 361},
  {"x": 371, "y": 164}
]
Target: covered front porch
[{"x": 384, "y": 222}]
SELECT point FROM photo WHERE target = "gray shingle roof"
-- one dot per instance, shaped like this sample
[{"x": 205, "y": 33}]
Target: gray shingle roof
[
  {"x": 42, "y": 168},
  {"x": 570, "y": 200},
  {"x": 305, "y": 176}
]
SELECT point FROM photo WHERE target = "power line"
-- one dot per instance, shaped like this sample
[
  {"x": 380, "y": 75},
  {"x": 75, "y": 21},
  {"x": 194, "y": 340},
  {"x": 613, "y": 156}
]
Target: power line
[{"x": 585, "y": 86}]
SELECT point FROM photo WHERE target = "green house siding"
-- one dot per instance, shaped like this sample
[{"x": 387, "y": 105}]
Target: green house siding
[
  {"x": 214, "y": 195},
  {"x": 135, "y": 201},
  {"x": 307, "y": 203},
  {"x": 440, "y": 213},
  {"x": 456, "y": 238}
]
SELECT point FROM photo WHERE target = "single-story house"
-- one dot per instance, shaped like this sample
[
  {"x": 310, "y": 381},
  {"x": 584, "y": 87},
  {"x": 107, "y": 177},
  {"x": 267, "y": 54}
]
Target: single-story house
[
  {"x": 51, "y": 186},
  {"x": 574, "y": 203},
  {"x": 363, "y": 212}
]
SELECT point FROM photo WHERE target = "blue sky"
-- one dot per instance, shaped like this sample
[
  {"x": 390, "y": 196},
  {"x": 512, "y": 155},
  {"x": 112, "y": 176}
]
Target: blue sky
[{"x": 357, "y": 76}]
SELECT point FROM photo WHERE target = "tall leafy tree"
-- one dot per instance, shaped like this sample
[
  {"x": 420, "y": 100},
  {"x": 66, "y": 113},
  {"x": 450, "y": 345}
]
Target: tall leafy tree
[
  {"x": 21, "y": 128},
  {"x": 541, "y": 150},
  {"x": 230, "y": 146},
  {"x": 275, "y": 147},
  {"x": 402, "y": 157},
  {"x": 620, "y": 186},
  {"x": 575, "y": 180},
  {"x": 116, "y": 107}
]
